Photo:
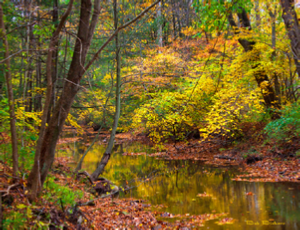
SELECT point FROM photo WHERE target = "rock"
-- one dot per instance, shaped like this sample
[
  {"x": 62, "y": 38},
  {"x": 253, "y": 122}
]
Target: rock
[
  {"x": 253, "y": 159},
  {"x": 80, "y": 219},
  {"x": 96, "y": 127}
]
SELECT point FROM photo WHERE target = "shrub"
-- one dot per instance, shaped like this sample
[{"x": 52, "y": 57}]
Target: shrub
[
  {"x": 60, "y": 194},
  {"x": 287, "y": 127}
]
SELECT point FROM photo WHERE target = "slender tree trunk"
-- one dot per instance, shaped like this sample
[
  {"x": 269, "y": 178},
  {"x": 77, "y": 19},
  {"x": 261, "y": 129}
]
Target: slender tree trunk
[
  {"x": 36, "y": 177},
  {"x": 13, "y": 131},
  {"x": 257, "y": 13},
  {"x": 173, "y": 19},
  {"x": 106, "y": 156},
  {"x": 292, "y": 26},
  {"x": 275, "y": 76},
  {"x": 28, "y": 71},
  {"x": 160, "y": 25},
  {"x": 79, "y": 165},
  {"x": 187, "y": 13},
  {"x": 54, "y": 57}
]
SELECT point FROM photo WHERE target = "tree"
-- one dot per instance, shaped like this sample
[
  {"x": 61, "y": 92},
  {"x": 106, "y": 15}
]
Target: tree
[
  {"x": 43, "y": 159},
  {"x": 261, "y": 78},
  {"x": 219, "y": 11},
  {"x": 14, "y": 140},
  {"x": 48, "y": 137},
  {"x": 106, "y": 156},
  {"x": 290, "y": 18}
]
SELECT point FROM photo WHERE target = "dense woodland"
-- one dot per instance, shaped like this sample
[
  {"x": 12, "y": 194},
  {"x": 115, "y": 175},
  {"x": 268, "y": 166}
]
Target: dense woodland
[{"x": 214, "y": 71}]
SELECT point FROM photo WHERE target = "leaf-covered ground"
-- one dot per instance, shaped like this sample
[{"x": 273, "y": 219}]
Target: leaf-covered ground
[{"x": 88, "y": 212}]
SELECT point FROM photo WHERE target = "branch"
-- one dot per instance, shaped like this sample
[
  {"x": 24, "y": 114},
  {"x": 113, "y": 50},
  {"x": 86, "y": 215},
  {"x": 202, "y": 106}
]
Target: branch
[
  {"x": 92, "y": 202},
  {"x": 19, "y": 27},
  {"x": 85, "y": 173},
  {"x": 9, "y": 188},
  {"x": 10, "y": 56},
  {"x": 14, "y": 54},
  {"x": 63, "y": 19},
  {"x": 116, "y": 32}
]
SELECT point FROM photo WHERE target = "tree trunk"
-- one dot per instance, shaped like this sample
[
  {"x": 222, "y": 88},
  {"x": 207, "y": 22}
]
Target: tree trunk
[
  {"x": 13, "y": 131},
  {"x": 257, "y": 13},
  {"x": 79, "y": 165},
  {"x": 42, "y": 160},
  {"x": 54, "y": 58},
  {"x": 275, "y": 76},
  {"x": 291, "y": 23},
  {"x": 160, "y": 25},
  {"x": 108, "y": 151}
]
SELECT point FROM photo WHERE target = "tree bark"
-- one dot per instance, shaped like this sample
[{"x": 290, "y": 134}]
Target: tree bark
[
  {"x": 54, "y": 58},
  {"x": 106, "y": 156},
  {"x": 289, "y": 16},
  {"x": 273, "y": 15},
  {"x": 160, "y": 25},
  {"x": 257, "y": 14},
  {"x": 13, "y": 131},
  {"x": 35, "y": 180}
]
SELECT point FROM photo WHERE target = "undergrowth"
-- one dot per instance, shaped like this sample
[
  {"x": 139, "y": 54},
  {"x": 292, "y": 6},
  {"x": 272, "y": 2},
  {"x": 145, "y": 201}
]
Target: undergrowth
[{"x": 287, "y": 127}]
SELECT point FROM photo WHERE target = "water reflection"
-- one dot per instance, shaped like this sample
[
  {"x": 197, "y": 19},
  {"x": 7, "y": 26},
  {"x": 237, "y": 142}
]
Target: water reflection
[{"x": 177, "y": 183}]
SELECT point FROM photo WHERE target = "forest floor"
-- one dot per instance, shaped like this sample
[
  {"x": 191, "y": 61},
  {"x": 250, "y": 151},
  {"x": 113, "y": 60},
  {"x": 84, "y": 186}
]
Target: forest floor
[{"x": 261, "y": 161}]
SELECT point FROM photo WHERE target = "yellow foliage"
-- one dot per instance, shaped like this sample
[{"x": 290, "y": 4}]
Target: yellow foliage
[{"x": 72, "y": 121}]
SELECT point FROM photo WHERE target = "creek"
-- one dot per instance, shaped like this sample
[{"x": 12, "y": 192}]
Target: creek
[{"x": 172, "y": 187}]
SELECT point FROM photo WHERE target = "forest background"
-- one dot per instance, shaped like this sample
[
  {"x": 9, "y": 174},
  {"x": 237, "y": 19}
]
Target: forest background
[{"x": 171, "y": 69}]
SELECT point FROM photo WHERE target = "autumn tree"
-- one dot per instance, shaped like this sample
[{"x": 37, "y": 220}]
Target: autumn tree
[
  {"x": 221, "y": 11},
  {"x": 290, "y": 18},
  {"x": 45, "y": 151}
]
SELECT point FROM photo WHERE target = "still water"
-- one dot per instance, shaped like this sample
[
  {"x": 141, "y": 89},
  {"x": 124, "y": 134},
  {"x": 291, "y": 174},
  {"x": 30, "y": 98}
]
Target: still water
[{"x": 176, "y": 184}]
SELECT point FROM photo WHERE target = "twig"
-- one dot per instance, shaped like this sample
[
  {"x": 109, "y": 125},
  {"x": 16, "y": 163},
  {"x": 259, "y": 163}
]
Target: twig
[
  {"x": 116, "y": 32},
  {"x": 62, "y": 205},
  {"x": 91, "y": 202},
  {"x": 87, "y": 175},
  {"x": 9, "y": 188},
  {"x": 6, "y": 175}
]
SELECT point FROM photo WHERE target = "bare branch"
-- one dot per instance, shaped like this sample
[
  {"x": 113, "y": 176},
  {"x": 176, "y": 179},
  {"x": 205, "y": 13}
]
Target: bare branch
[{"x": 116, "y": 32}]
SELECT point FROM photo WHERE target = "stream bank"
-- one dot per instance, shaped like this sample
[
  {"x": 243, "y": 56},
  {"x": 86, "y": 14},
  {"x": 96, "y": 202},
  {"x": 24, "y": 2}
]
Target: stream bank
[
  {"x": 168, "y": 191},
  {"x": 211, "y": 185}
]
